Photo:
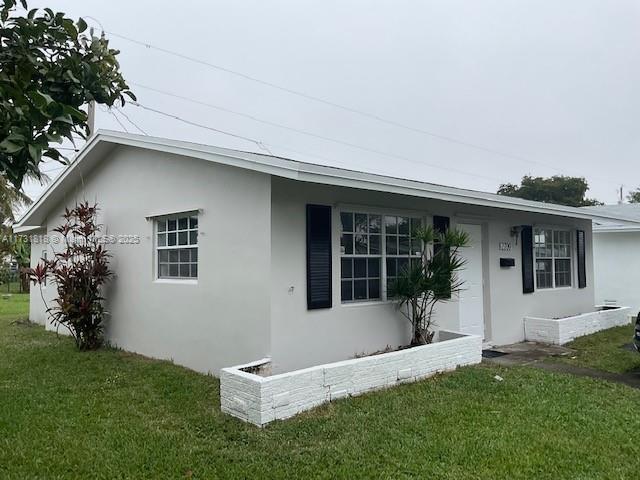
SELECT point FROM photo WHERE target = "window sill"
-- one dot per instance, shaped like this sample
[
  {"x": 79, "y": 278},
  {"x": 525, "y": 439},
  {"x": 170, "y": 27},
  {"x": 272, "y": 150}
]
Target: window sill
[
  {"x": 558, "y": 289},
  {"x": 175, "y": 281},
  {"x": 366, "y": 303}
]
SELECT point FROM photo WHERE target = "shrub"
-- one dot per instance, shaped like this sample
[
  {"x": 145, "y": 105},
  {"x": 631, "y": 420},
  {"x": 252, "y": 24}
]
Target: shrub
[
  {"x": 429, "y": 280},
  {"x": 79, "y": 272}
]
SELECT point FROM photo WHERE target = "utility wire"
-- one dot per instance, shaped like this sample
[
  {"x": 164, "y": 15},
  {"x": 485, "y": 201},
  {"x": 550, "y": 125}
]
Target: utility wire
[
  {"x": 275, "y": 124},
  {"x": 258, "y": 143},
  {"x": 296, "y": 130},
  {"x": 353, "y": 145},
  {"x": 131, "y": 121},
  {"x": 118, "y": 120},
  {"x": 340, "y": 106}
]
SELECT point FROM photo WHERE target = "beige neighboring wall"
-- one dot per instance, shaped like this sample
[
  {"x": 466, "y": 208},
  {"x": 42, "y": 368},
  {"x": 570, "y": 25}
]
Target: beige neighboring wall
[{"x": 223, "y": 318}]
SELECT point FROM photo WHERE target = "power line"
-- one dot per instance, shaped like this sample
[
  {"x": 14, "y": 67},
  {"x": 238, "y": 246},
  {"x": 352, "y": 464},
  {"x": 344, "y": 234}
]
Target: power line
[
  {"x": 276, "y": 124},
  {"x": 258, "y": 143},
  {"x": 131, "y": 121},
  {"x": 340, "y": 106},
  {"x": 118, "y": 120},
  {"x": 263, "y": 146},
  {"x": 296, "y": 130}
]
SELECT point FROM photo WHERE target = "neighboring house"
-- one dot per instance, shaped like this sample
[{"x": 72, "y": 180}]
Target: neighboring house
[
  {"x": 243, "y": 256},
  {"x": 616, "y": 256}
]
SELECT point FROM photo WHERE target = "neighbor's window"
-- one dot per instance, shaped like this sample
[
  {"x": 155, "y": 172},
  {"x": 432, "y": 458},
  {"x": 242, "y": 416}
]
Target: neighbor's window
[
  {"x": 552, "y": 249},
  {"x": 374, "y": 249},
  {"x": 177, "y": 246}
]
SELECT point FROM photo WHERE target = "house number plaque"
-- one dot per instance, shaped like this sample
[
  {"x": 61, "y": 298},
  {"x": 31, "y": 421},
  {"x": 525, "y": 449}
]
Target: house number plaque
[{"x": 504, "y": 246}]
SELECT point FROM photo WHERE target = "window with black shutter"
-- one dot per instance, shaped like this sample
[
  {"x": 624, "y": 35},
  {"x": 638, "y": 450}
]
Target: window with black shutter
[
  {"x": 581, "y": 247},
  {"x": 440, "y": 254},
  {"x": 375, "y": 249},
  {"x": 528, "y": 272},
  {"x": 318, "y": 256}
]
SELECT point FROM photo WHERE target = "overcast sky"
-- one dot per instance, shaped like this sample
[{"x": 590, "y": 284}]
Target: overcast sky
[{"x": 554, "y": 85}]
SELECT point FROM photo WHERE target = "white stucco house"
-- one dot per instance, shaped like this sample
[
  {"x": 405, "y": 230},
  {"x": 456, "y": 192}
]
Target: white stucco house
[
  {"x": 616, "y": 256},
  {"x": 223, "y": 257}
]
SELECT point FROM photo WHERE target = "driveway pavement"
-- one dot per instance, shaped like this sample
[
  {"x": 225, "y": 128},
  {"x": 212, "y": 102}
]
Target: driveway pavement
[{"x": 534, "y": 355}]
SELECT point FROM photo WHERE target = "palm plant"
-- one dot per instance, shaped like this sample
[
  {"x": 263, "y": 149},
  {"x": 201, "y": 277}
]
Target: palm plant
[
  {"x": 10, "y": 199},
  {"x": 18, "y": 248},
  {"x": 433, "y": 278}
]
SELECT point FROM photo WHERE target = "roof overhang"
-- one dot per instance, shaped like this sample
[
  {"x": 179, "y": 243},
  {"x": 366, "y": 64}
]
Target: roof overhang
[
  {"x": 104, "y": 141},
  {"x": 616, "y": 229}
]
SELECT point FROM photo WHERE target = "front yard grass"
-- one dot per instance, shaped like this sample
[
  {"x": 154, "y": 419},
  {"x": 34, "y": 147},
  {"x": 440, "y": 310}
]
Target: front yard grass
[
  {"x": 606, "y": 350},
  {"x": 110, "y": 414}
]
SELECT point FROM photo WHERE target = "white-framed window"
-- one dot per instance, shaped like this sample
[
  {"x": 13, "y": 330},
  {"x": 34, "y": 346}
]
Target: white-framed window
[
  {"x": 361, "y": 256},
  {"x": 374, "y": 248},
  {"x": 553, "y": 261},
  {"x": 400, "y": 248},
  {"x": 177, "y": 246}
]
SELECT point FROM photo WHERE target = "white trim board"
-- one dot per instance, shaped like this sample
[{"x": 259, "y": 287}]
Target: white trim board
[{"x": 104, "y": 141}]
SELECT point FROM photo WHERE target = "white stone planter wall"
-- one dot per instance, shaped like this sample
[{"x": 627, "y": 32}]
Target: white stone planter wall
[
  {"x": 564, "y": 330},
  {"x": 262, "y": 399}
]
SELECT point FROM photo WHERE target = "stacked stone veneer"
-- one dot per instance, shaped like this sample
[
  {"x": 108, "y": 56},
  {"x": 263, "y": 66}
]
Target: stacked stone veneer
[
  {"x": 563, "y": 330},
  {"x": 262, "y": 399}
]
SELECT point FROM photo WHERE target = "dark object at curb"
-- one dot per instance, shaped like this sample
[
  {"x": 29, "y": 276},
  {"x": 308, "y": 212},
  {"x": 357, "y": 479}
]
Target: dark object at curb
[
  {"x": 492, "y": 354},
  {"x": 636, "y": 336}
]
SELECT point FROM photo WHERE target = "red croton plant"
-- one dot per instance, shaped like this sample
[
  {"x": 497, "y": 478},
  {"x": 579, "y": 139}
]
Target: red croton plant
[{"x": 79, "y": 272}]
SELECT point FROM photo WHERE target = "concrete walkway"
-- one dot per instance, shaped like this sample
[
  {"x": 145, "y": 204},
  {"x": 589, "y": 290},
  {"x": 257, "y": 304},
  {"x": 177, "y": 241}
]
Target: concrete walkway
[{"x": 533, "y": 355}]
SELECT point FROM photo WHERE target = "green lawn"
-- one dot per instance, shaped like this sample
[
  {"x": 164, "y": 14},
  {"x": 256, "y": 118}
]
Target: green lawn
[
  {"x": 604, "y": 351},
  {"x": 109, "y": 414}
]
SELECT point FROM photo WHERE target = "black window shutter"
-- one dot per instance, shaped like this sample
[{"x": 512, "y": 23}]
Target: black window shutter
[
  {"x": 580, "y": 246},
  {"x": 441, "y": 225},
  {"x": 318, "y": 256},
  {"x": 527, "y": 259}
]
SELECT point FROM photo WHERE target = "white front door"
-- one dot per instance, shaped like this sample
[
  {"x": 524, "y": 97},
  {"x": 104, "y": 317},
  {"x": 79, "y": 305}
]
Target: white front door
[{"x": 471, "y": 297}]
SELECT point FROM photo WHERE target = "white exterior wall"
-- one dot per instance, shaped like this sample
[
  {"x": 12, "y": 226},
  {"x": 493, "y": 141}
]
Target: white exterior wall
[
  {"x": 260, "y": 400},
  {"x": 223, "y": 318},
  {"x": 302, "y": 338},
  {"x": 250, "y": 298},
  {"x": 616, "y": 257},
  {"x": 37, "y": 308}
]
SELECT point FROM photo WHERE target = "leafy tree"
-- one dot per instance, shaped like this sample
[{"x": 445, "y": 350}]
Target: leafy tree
[
  {"x": 559, "y": 189},
  {"x": 424, "y": 283},
  {"x": 634, "y": 197},
  {"x": 80, "y": 271},
  {"x": 49, "y": 68}
]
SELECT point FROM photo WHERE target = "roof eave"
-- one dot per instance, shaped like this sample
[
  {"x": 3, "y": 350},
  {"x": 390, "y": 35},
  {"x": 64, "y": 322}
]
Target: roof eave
[
  {"x": 27, "y": 228},
  {"x": 616, "y": 229},
  {"x": 308, "y": 172}
]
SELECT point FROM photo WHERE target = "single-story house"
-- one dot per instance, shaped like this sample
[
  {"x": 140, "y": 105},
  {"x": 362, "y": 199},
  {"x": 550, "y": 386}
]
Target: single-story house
[
  {"x": 616, "y": 256},
  {"x": 222, "y": 257}
]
